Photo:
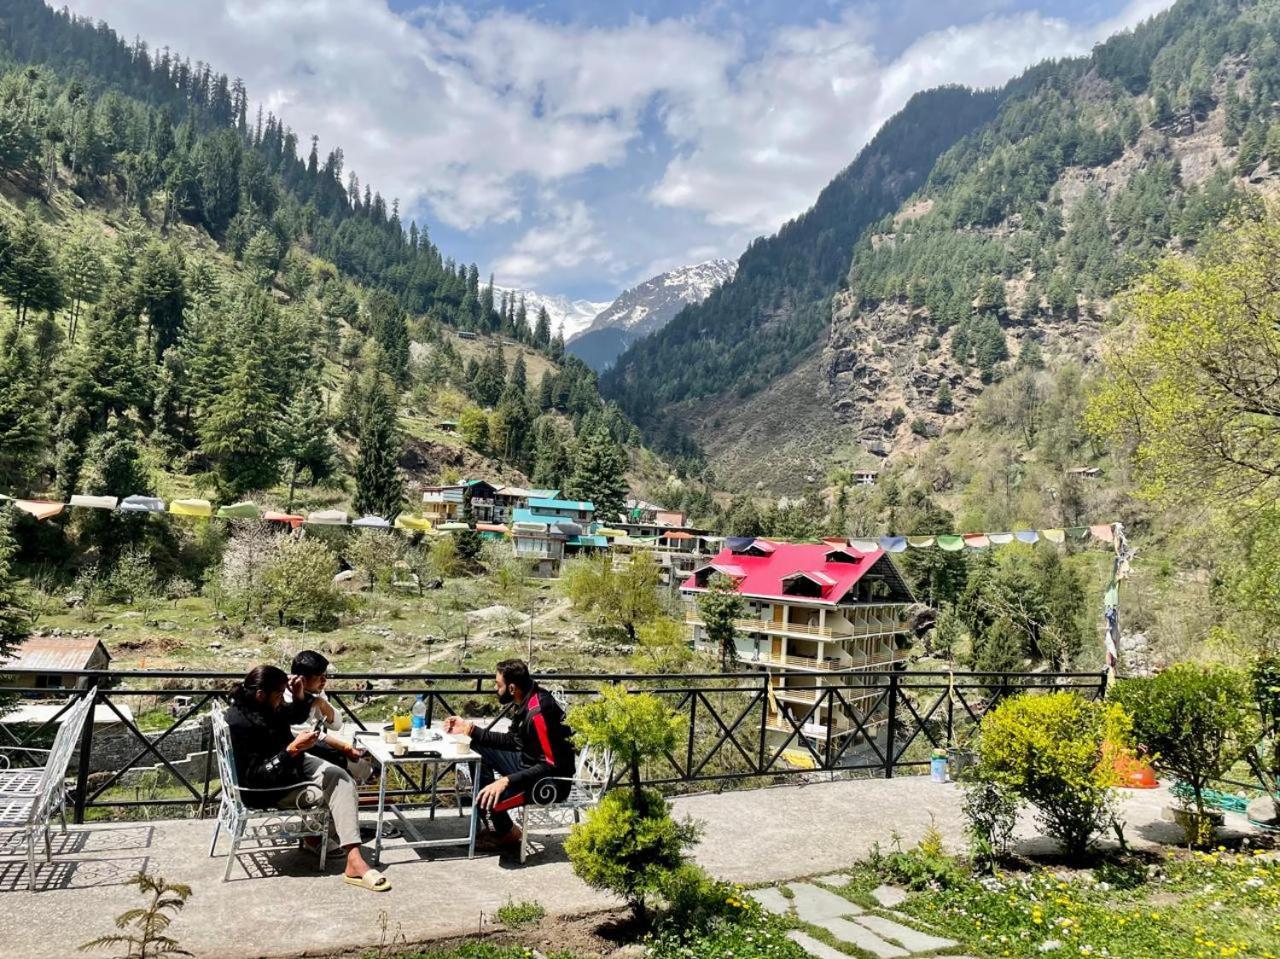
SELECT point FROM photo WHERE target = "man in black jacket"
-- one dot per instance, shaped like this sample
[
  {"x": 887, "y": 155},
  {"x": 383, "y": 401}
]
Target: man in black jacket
[{"x": 519, "y": 763}]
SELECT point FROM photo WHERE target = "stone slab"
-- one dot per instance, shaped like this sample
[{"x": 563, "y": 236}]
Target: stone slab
[
  {"x": 815, "y": 948},
  {"x": 836, "y": 879},
  {"x": 814, "y": 904},
  {"x": 863, "y": 938},
  {"x": 772, "y": 899},
  {"x": 889, "y": 896},
  {"x": 911, "y": 939}
]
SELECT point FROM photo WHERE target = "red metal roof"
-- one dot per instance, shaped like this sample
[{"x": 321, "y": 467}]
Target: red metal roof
[
  {"x": 55, "y": 653},
  {"x": 763, "y": 575}
]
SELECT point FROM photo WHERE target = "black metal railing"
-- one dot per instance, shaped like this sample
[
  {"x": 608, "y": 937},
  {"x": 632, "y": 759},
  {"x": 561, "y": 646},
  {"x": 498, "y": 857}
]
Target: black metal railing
[{"x": 739, "y": 726}]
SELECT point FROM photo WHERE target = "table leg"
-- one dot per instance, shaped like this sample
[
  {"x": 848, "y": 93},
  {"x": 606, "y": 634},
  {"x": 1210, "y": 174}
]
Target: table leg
[
  {"x": 435, "y": 778},
  {"x": 382, "y": 809},
  {"x": 474, "y": 765}
]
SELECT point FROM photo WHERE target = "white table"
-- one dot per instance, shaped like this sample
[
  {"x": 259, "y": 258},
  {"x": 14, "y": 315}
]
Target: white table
[{"x": 382, "y": 751}]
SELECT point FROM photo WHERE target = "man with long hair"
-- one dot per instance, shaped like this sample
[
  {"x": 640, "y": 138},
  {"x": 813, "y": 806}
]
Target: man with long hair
[{"x": 270, "y": 757}]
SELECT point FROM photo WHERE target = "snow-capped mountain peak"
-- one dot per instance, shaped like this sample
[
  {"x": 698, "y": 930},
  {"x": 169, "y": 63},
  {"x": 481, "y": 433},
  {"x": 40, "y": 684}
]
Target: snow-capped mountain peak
[
  {"x": 648, "y": 306},
  {"x": 576, "y": 315}
]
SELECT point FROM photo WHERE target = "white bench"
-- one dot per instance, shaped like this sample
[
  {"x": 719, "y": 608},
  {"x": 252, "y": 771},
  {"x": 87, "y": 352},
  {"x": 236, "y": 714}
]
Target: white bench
[
  {"x": 29, "y": 796},
  {"x": 264, "y": 828}
]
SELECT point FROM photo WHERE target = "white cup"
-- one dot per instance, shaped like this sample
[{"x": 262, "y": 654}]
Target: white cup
[{"x": 462, "y": 745}]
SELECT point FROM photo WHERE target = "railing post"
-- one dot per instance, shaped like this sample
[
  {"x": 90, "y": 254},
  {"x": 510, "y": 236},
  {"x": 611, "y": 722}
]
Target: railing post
[
  {"x": 86, "y": 746},
  {"x": 693, "y": 722},
  {"x": 892, "y": 722},
  {"x": 764, "y": 717}
]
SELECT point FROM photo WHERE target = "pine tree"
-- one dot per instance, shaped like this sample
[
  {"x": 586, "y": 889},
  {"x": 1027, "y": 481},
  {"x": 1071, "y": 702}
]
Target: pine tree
[
  {"x": 29, "y": 276},
  {"x": 305, "y": 443},
  {"x": 490, "y": 377},
  {"x": 542, "y": 332},
  {"x": 158, "y": 294},
  {"x": 113, "y": 467},
  {"x": 84, "y": 274},
  {"x": 24, "y": 422},
  {"x": 519, "y": 379},
  {"x": 15, "y": 616},
  {"x": 379, "y": 484},
  {"x": 239, "y": 430},
  {"x": 599, "y": 474}
]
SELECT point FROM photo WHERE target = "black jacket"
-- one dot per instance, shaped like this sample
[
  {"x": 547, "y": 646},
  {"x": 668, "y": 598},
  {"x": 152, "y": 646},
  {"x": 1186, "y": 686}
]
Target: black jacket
[
  {"x": 258, "y": 741},
  {"x": 539, "y": 734}
]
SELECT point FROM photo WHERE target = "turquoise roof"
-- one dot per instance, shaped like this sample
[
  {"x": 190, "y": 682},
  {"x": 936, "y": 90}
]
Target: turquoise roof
[
  {"x": 598, "y": 542},
  {"x": 565, "y": 504}
]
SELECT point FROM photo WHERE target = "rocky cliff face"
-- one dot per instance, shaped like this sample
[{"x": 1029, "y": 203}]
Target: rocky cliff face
[
  {"x": 647, "y": 308},
  {"x": 884, "y": 364}
]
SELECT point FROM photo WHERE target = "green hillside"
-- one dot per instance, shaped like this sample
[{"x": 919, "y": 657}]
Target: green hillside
[
  {"x": 776, "y": 309},
  {"x": 192, "y": 306}
]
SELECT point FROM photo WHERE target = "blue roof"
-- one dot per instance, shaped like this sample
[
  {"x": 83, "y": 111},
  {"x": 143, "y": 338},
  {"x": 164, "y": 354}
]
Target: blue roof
[
  {"x": 543, "y": 493},
  {"x": 566, "y": 504},
  {"x": 599, "y": 542}
]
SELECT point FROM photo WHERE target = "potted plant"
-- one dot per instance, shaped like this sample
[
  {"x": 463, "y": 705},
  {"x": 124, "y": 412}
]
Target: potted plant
[{"x": 1194, "y": 722}]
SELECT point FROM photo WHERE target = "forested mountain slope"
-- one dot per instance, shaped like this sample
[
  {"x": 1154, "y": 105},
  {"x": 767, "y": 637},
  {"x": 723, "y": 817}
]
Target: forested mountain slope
[
  {"x": 1083, "y": 174},
  {"x": 1008, "y": 257},
  {"x": 776, "y": 309},
  {"x": 194, "y": 307}
]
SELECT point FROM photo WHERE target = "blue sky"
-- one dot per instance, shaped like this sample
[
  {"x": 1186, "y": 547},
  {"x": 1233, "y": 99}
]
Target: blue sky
[{"x": 576, "y": 147}]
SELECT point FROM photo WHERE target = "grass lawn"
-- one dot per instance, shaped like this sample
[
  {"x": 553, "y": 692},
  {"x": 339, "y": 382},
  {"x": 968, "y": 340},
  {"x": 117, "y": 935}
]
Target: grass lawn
[{"x": 1187, "y": 906}]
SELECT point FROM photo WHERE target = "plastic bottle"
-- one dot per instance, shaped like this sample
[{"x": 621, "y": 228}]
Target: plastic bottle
[{"x": 419, "y": 730}]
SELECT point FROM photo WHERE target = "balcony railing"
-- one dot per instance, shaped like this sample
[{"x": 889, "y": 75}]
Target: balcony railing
[
  {"x": 772, "y": 627},
  {"x": 733, "y": 728}
]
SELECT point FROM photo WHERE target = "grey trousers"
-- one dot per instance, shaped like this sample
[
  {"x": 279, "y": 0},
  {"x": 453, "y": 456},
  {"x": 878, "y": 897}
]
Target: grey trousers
[{"x": 338, "y": 793}]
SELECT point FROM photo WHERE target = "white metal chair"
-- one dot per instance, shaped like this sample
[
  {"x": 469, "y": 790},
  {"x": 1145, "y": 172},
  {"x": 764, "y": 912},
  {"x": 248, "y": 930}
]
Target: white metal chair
[
  {"x": 545, "y": 811},
  {"x": 29, "y": 796},
  {"x": 265, "y": 828}
]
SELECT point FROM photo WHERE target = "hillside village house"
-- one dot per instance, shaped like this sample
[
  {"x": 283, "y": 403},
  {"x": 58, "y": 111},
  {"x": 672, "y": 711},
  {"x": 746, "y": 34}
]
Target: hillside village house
[
  {"x": 489, "y": 504},
  {"x": 811, "y": 609},
  {"x": 48, "y": 662},
  {"x": 548, "y": 530}
]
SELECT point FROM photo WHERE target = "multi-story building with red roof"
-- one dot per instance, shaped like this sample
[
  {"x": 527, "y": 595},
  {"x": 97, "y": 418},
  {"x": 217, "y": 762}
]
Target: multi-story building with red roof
[{"x": 815, "y": 615}]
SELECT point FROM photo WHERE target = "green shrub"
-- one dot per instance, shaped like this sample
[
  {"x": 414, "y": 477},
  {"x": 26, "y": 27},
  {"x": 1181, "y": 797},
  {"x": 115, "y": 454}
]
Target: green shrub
[
  {"x": 517, "y": 915},
  {"x": 926, "y": 866},
  {"x": 990, "y": 814},
  {"x": 1055, "y": 751},
  {"x": 708, "y": 919},
  {"x": 629, "y": 844},
  {"x": 1193, "y": 721}
]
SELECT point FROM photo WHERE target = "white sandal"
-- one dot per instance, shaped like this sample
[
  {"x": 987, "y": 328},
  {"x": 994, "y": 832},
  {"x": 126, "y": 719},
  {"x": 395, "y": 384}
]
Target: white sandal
[{"x": 372, "y": 880}]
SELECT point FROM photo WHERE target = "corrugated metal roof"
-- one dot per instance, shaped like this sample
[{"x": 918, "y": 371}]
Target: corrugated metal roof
[
  {"x": 567, "y": 504},
  {"x": 54, "y": 654}
]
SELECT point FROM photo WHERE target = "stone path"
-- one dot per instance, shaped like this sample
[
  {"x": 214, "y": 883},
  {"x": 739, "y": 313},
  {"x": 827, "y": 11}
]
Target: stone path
[{"x": 888, "y": 936}]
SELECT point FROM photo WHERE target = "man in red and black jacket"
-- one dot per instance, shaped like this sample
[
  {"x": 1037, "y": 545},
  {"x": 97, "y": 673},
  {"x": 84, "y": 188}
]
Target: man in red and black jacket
[{"x": 519, "y": 763}]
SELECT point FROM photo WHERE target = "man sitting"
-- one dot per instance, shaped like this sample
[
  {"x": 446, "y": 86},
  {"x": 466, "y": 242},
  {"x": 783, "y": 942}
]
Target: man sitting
[
  {"x": 307, "y": 705},
  {"x": 536, "y": 746},
  {"x": 272, "y": 763}
]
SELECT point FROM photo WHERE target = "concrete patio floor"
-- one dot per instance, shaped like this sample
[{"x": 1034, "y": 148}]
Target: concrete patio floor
[{"x": 283, "y": 907}]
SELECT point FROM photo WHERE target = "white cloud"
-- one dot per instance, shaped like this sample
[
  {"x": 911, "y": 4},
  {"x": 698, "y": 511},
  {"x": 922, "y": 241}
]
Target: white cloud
[
  {"x": 495, "y": 118},
  {"x": 565, "y": 238}
]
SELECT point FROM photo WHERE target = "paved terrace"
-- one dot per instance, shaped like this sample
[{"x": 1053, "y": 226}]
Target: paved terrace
[{"x": 286, "y": 908}]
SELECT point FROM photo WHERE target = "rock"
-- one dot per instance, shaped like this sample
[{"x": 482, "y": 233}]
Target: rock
[
  {"x": 1262, "y": 811},
  {"x": 889, "y": 896},
  {"x": 630, "y": 951}
]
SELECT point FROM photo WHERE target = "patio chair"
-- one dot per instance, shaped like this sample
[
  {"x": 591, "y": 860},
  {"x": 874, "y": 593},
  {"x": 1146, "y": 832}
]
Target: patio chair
[
  {"x": 263, "y": 828},
  {"x": 30, "y": 796},
  {"x": 544, "y": 812}
]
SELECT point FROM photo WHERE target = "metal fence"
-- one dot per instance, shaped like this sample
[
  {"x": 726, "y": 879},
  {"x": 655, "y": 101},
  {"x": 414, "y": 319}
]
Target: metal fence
[{"x": 739, "y": 726}]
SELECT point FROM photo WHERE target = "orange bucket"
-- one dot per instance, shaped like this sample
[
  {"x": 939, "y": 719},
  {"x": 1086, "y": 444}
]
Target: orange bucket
[{"x": 1134, "y": 773}]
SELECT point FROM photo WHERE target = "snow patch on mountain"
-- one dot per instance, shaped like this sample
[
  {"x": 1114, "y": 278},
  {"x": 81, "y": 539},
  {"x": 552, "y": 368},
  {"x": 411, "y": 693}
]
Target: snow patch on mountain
[
  {"x": 575, "y": 315},
  {"x": 648, "y": 307}
]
